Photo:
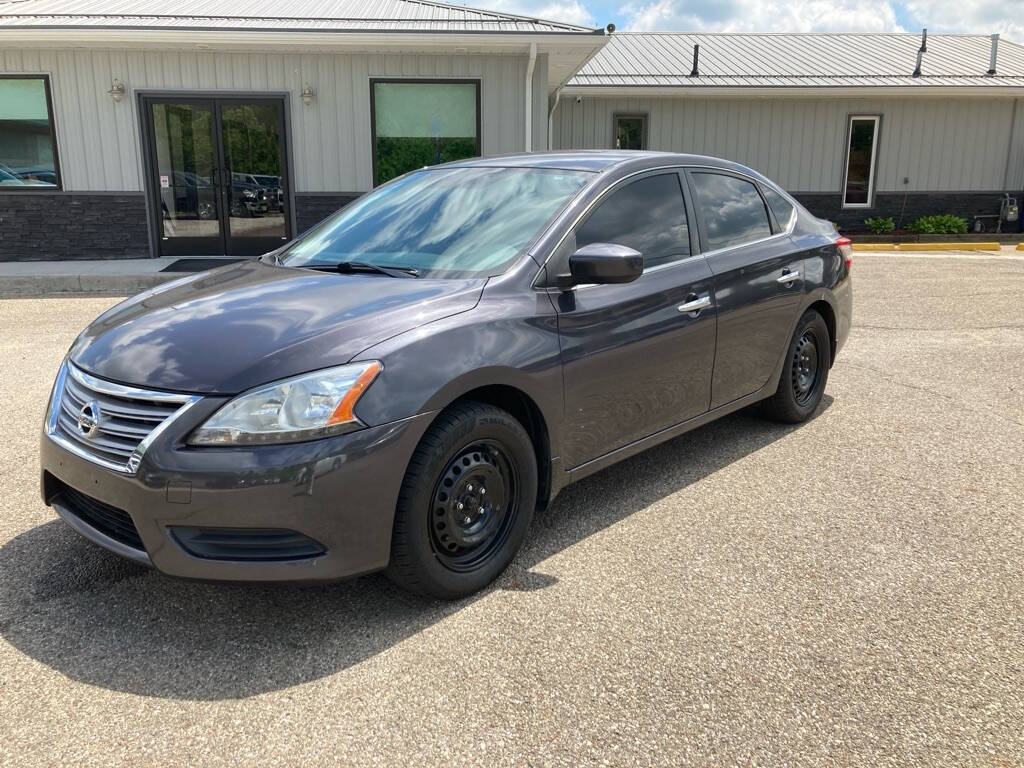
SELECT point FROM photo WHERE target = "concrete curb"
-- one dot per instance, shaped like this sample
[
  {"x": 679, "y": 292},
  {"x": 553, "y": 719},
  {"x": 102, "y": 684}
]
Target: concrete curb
[
  {"x": 874, "y": 246},
  {"x": 967, "y": 246},
  {"x": 87, "y": 277},
  {"x": 43, "y": 286},
  {"x": 949, "y": 247}
]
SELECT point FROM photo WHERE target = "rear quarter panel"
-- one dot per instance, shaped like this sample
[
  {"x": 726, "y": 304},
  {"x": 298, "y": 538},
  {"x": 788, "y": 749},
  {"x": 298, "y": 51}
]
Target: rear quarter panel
[{"x": 826, "y": 278}]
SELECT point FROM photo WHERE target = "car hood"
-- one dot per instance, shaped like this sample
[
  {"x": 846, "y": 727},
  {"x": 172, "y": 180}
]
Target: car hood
[{"x": 227, "y": 330}]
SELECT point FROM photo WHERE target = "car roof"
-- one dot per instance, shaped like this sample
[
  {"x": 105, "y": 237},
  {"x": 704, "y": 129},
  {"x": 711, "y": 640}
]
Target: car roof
[{"x": 594, "y": 160}]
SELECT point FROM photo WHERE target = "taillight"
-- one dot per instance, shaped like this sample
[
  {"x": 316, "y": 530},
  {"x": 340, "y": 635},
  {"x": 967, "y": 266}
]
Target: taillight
[{"x": 846, "y": 246}]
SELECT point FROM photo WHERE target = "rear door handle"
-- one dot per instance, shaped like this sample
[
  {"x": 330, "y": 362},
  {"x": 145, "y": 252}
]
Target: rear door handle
[
  {"x": 788, "y": 277},
  {"x": 696, "y": 305}
]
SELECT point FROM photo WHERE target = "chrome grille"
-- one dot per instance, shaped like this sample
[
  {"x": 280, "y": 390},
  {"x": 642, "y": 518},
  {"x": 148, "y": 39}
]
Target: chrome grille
[{"x": 107, "y": 423}]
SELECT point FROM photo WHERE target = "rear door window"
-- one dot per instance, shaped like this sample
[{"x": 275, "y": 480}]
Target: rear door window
[
  {"x": 732, "y": 210},
  {"x": 782, "y": 209},
  {"x": 648, "y": 215}
]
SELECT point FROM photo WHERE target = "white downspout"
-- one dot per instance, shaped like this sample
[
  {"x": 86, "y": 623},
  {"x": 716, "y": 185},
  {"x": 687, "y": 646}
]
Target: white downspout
[
  {"x": 551, "y": 117},
  {"x": 529, "y": 97}
]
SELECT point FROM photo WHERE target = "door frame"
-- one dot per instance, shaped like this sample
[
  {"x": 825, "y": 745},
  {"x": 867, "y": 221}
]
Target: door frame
[{"x": 144, "y": 96}]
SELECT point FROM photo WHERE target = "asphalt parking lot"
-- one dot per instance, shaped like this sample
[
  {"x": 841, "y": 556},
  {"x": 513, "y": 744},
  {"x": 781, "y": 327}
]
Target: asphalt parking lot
[{"x": 849, "y": 592}]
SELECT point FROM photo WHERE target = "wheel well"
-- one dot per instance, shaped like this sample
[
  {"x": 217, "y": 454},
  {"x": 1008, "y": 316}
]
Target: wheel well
[
  {"x": 824, "y": 309},
  {"x": 526, "y": 412}
]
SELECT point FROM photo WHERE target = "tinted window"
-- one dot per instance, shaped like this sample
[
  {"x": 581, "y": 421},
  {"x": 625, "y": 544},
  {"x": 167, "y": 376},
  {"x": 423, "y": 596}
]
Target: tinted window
[
  {"x": 647, "y": 215},
  {"x": 860, "y": 158},
  {"x": 27, "y": 156},
  {"x": 780, "y": 206},
  {"x": 630, "y": 132},
  {"x": 732, "y": 209},
  {"x": 417, "y": 124}
]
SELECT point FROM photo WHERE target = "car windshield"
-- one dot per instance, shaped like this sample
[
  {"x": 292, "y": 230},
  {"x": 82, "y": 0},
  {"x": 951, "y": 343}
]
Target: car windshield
[{"x": 443, "y": 222}]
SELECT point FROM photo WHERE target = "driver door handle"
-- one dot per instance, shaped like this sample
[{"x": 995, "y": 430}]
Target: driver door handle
[
  {"x": 788, "y": 277},
  {"x": 696, "y": 305}
]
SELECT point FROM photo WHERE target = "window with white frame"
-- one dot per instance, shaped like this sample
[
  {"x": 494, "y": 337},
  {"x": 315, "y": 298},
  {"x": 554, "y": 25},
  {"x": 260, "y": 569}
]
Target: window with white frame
[{"x": 862, "y": 144}]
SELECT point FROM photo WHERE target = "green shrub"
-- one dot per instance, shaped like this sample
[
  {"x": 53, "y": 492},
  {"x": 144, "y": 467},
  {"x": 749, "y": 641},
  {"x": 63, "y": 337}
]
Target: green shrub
[
  {"x": 879, "y": 225},
  {"x": 943, "y": 224}
]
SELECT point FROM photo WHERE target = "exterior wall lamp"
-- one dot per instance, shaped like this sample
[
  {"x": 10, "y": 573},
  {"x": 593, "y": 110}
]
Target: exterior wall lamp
[
  {"x": 307, "y": 94},
  {"x": 116, "y": 90}
]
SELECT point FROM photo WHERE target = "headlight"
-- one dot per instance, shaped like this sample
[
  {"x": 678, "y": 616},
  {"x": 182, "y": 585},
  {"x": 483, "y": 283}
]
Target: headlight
[
  {"x": 305, "y": 407},
  {"x": 248, "y": 193}
]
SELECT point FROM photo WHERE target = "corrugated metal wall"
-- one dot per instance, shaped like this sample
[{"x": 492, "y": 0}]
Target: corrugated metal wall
[
  {"x": 99, "y": 140},
  {"x": 952, "y": 144}
]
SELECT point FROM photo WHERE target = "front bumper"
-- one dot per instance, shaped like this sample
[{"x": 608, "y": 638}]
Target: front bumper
[{"x": 340, "y": 492}]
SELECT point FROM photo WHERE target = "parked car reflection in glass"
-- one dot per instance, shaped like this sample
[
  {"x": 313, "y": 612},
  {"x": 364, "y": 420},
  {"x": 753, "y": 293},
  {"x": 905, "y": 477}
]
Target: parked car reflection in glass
[
  {"x": 245, "y": 197},
  {"x": 275, "y": 194},
  {"x": 189, "y": 196},
  {"x": 36, "y": 176}
]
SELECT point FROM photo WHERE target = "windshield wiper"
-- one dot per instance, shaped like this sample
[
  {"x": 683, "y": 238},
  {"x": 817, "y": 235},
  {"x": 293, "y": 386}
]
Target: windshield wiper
[{"x": 346, "y": 267}]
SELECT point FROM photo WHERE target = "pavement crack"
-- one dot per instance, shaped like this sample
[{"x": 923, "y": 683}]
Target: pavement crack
[{"x": 927, "y": 390}]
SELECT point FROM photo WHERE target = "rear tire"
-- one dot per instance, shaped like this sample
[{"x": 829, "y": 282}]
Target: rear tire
[
  {"x": 466, "y": 502},
  {"x": 805, "y": 373}
]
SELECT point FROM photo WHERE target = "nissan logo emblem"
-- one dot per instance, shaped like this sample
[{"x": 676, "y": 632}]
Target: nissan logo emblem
[{"x": 89, "y": 419}]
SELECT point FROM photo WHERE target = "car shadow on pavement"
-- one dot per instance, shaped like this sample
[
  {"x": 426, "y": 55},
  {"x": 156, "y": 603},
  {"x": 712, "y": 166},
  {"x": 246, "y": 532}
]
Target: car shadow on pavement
[{"x": 107, "y": 622}]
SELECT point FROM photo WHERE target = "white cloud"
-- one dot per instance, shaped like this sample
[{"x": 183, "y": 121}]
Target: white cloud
[
  {"x": 974, "y": 16},
  {"x": 978, "y": 16},
  {"x": 568, "y": 11},
  {"x": 762, "y": 16}
]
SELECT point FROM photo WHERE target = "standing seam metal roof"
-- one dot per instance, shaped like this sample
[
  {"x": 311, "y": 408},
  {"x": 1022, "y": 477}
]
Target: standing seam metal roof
[
  {"x": 314, "y": 15},
  {"x": 799, "y": 60}
]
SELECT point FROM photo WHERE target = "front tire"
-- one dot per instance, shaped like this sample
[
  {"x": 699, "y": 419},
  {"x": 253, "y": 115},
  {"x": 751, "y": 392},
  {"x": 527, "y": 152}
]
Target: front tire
[
  {"x": 466, "y": 502},
  {"x": 805, "y": 374}
]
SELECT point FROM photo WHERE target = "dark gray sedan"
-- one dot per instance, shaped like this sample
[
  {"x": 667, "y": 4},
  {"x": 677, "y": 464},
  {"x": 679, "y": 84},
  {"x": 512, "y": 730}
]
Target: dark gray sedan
[{"x": 402, "y": 386}]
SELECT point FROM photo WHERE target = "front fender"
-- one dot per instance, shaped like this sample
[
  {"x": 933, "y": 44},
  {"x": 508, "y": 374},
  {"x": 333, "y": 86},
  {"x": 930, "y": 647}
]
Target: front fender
[{"x": 510, "y": 340}]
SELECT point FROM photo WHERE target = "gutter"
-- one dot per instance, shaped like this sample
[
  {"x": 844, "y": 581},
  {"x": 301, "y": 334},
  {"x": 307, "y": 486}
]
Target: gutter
[
  {"x": 807, "y": 91},
  {"x": 189, "y": 36},
  {"x": 529, "y": 97}
]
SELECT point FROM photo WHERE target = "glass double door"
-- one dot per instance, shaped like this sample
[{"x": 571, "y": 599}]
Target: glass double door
[{"x": 218, "y": 175}]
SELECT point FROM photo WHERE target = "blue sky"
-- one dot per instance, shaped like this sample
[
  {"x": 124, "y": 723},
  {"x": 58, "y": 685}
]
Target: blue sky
[{"x": 974, "y": 16}]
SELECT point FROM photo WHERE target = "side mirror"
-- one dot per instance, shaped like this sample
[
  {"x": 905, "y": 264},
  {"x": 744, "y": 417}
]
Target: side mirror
[{"x": 602, "y": 263}]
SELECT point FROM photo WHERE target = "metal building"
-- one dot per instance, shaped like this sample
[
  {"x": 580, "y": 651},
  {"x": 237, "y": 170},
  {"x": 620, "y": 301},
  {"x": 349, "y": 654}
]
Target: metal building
[
  {"x": 133, "y": 128},
  {"x": 854, "y": 125}
]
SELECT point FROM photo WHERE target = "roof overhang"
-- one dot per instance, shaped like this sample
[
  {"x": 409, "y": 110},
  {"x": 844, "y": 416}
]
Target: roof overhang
[
  {"x": 566, "y": 51},
  {"x": 807, "y": 92}
]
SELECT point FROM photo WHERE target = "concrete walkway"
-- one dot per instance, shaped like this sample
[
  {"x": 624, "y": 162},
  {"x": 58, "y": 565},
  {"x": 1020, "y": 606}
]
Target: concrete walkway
[{"x": 107, "y": 277}]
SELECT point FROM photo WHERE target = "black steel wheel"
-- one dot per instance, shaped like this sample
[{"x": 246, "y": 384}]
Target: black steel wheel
[
  {"x": 475, "y": 503},
  {"x": 804, "y": 370},
  {"x": 804, "y": 373},
  {"x": 465, "y": 504}
]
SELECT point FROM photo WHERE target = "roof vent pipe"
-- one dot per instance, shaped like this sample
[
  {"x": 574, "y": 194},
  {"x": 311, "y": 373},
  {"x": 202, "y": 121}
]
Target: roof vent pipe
[
  {"x": 921, "y": 51},
  {"x": 695, "y": 72},
  {"x": 992, "y": 56}
]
